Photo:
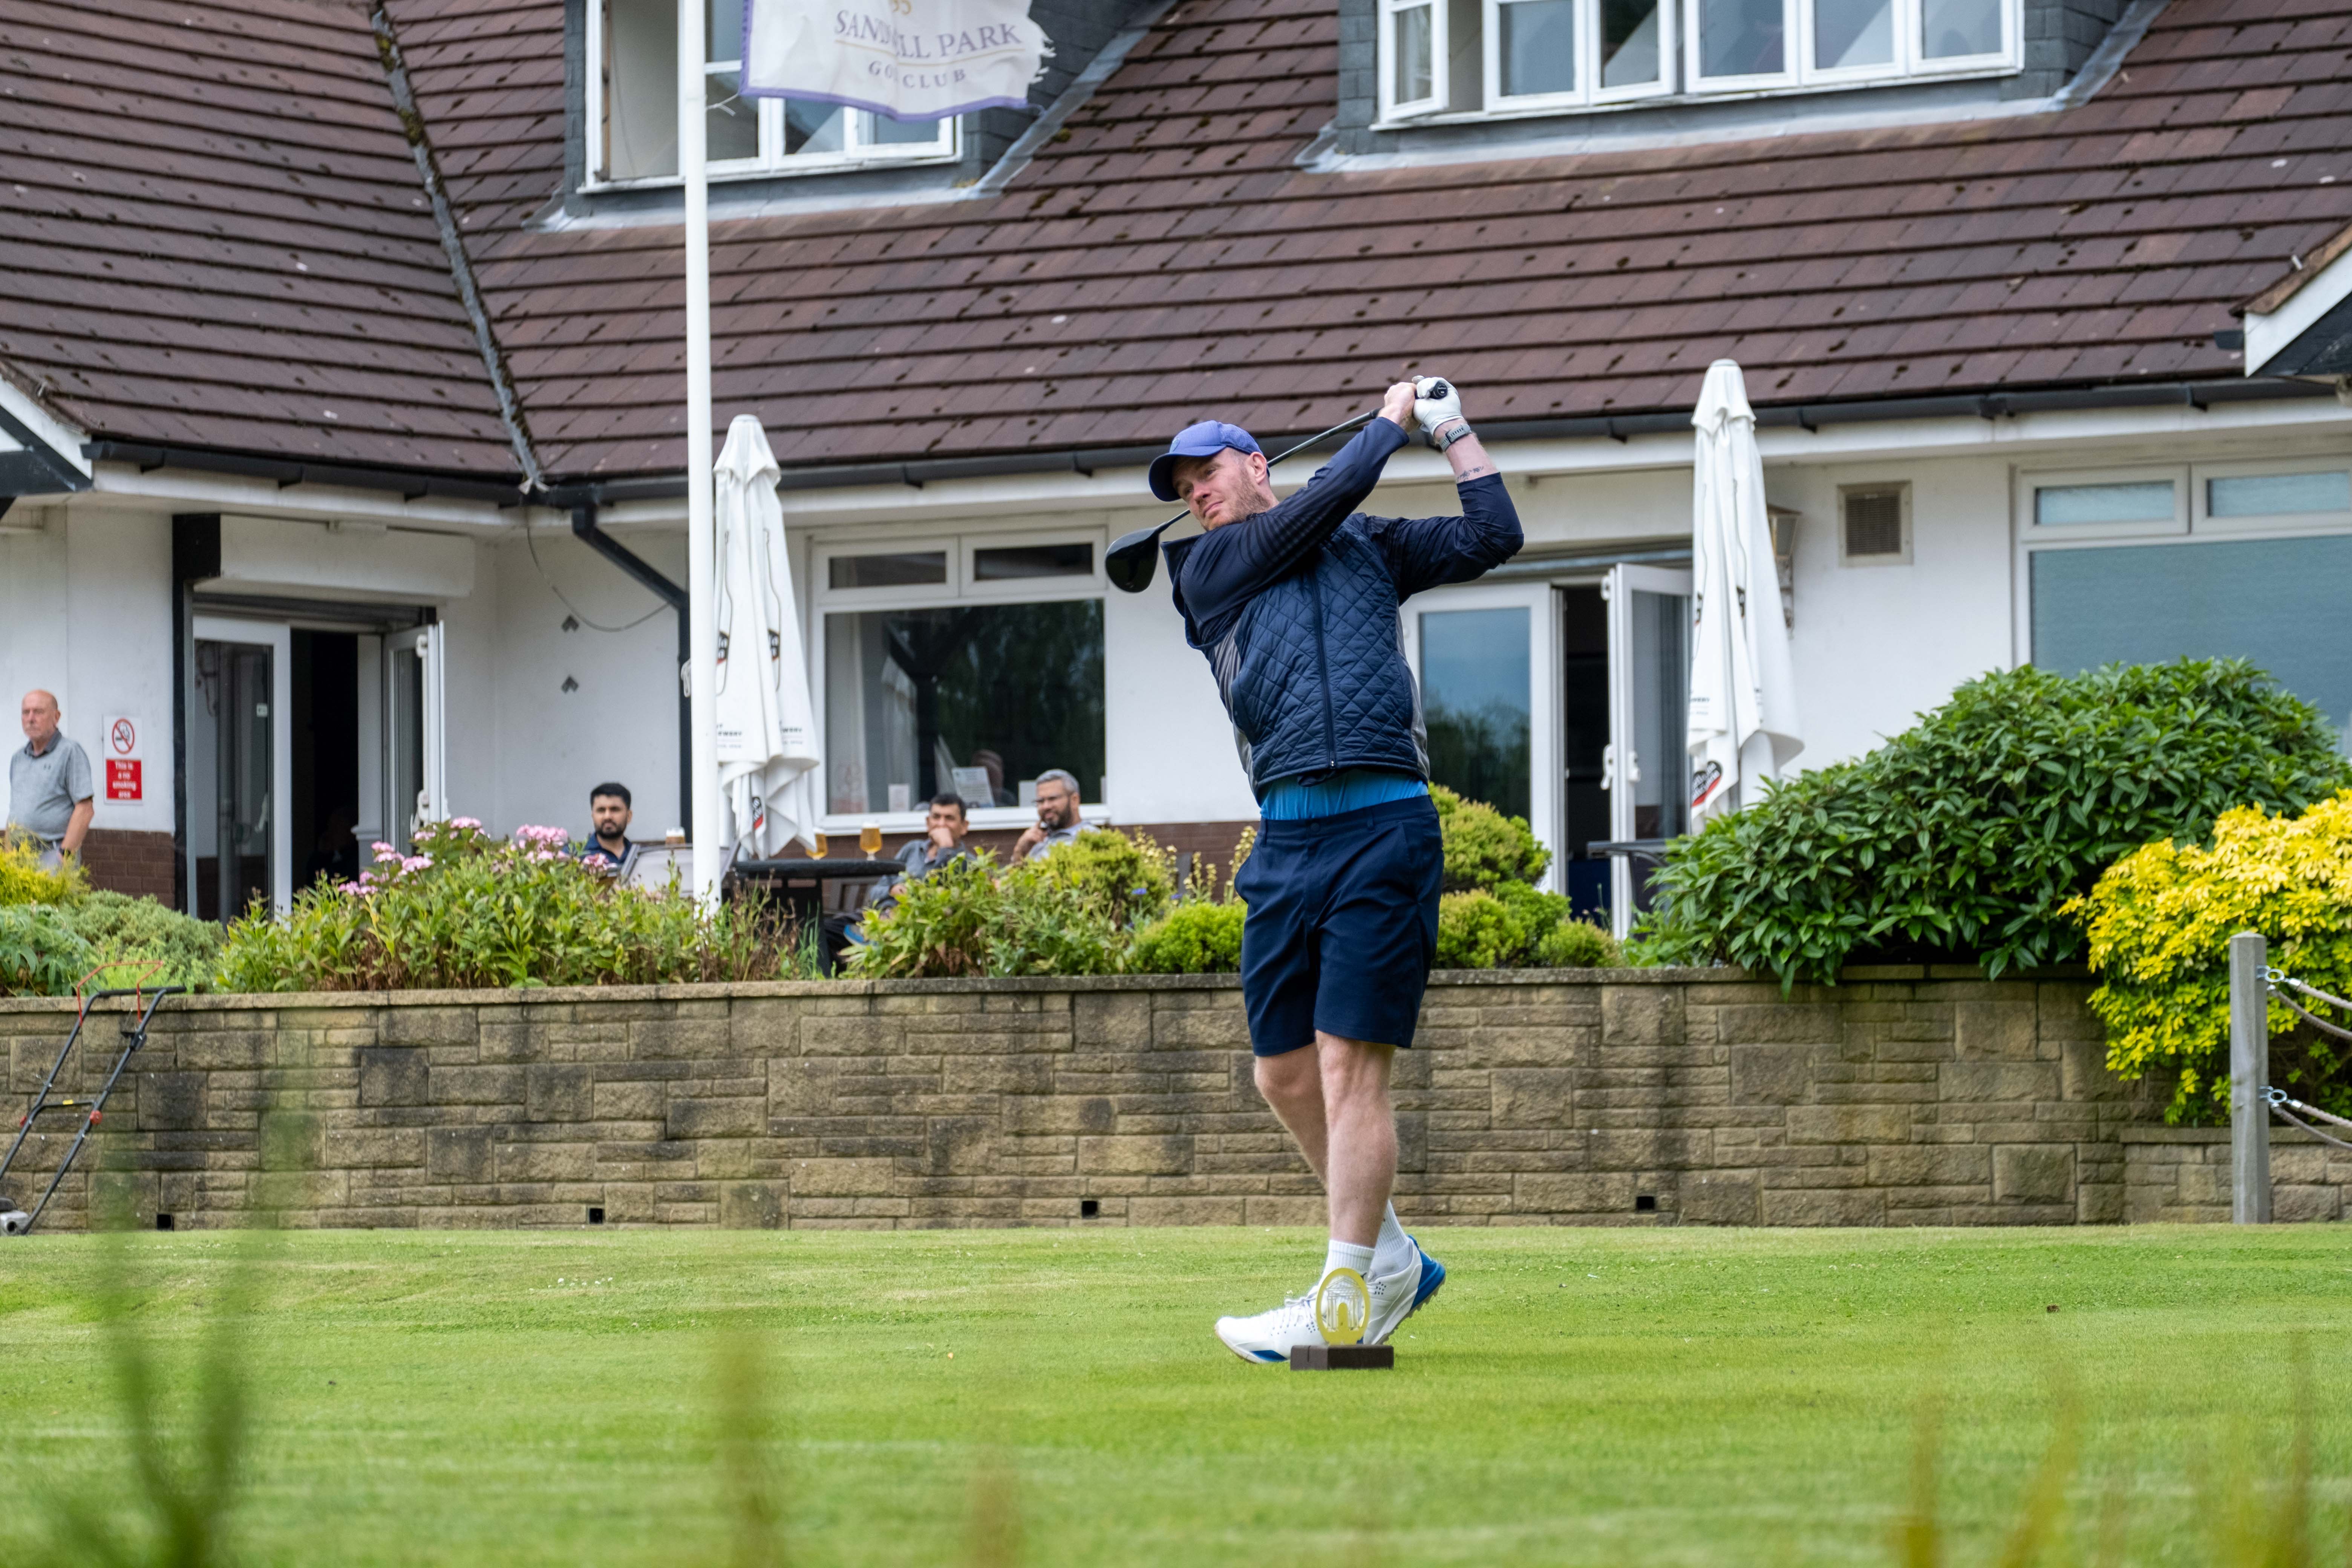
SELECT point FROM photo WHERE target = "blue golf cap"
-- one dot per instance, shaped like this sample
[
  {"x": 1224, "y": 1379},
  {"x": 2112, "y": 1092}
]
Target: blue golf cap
[{"x": 1205, "y": 440}]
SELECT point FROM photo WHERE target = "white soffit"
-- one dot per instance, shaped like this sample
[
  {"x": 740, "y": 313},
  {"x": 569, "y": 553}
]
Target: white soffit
[
  {"x": 267, "y": 554},
  {"x": 63, "y": 441},
  {"x": 2269, "y": 332}
]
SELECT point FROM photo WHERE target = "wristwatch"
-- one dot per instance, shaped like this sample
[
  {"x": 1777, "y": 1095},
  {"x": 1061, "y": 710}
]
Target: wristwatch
[{"x": 1453, "y": 430}]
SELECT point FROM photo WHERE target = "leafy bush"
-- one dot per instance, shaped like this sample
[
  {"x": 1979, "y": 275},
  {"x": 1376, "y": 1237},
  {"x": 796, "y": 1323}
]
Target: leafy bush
[
  {"x": 2159, "y": 923},
  {"x": 1128, "y": 879},
  {"x": 1515, "y": 926},
  {"x": 132, "y": 934},
  {"x": 22, "y": 880},
  {"x": 1483, "y": 846},
  {"x": 1577, "y": 944},
  {"x": 1962, "y": 837},
  {"x": 40, "y": 954},
  {"x": 965, "y": 919},
  {"x": 1196, "y": 937},
  {"x": 468, "y": 909}
]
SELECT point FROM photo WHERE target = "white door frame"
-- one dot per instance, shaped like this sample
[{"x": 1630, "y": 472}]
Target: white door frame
[
  {"x": 1622, "y": 763},
  {"x": 1544, "y": 804},
  {"x": 429, "y": 644},
  {"x": 276, "y": 637}
]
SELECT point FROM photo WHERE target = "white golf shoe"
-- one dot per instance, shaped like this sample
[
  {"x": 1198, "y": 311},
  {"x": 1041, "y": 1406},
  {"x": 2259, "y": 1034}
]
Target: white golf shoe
[
  {"x": 1267, "y": 1338},
  {"x": 1399, "y": 1295}
]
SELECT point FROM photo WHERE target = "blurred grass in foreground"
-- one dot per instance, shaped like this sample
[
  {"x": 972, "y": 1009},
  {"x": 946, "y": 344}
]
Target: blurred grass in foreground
[{"x": 1660, "y": 1397}]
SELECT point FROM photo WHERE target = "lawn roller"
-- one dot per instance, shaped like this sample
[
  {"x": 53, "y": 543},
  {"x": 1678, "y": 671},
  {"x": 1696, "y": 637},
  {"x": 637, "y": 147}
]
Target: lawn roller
[{"x": 14, "y": 1219}]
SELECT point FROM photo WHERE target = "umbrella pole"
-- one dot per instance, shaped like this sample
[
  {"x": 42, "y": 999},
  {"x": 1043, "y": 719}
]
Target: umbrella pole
[{"x": 700, "y": 810}]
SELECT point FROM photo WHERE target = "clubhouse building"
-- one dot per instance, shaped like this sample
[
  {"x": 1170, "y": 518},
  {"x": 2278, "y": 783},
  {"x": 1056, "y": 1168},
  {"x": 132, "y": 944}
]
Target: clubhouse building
[{"x": 341, "y": 383}]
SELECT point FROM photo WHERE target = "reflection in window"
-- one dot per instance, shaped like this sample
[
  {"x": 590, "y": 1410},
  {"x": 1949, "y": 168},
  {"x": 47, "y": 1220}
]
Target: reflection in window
[
  {"x": 1740, "y": 37},
  {"x": 1629, "y": 42},
  {"x": 2058, "y": 506},
  {"x": 2254, "y": 599},
  {"x": 1953, "y": 28},
  {"x": 1005, "y": 562},
  {"x": 911, "y": 696},
  {"x": 1474, "y": 700},
  {"x": 2279, "y": 495},
  {"x": 1538, "y": 47},
  {"x": 907, "y": 569},
  {"x": 1412, "y": 51},
  {"x": 1852, "y": 33}
]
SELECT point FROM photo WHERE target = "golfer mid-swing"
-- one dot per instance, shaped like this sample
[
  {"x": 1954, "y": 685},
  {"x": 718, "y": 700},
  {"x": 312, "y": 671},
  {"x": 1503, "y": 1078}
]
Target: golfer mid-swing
[{"x": 1295, "y": 604}]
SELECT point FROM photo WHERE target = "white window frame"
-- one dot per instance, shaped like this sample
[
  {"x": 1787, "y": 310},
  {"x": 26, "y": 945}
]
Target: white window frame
[
  {"x": 772, "y": 161},
  {"x": 1909, "y": 60},
  {"x": 1440, "y": 52},
  {"x": 1679, "y": 40},
  {"x": 2190, "y": 525},
  {"x": 959, "y": 589},
  {"x": 2029, "y": 481},
  {"x": 1587, "y": 90},
  {"x": 2273, "y": 524},
  {"x": 1545, "y": 796}
]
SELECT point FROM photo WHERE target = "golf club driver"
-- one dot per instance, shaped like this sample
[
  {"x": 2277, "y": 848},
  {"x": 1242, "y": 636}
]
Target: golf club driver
[{"x": 1133, "y": 558}]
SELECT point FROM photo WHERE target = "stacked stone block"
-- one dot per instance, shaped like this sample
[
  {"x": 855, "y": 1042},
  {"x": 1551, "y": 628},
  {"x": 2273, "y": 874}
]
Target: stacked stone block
[{"x": 1902, "y": 1096}]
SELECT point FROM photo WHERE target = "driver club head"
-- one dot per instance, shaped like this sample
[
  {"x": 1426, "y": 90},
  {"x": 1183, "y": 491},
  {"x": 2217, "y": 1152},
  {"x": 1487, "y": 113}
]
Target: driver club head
[{"x": 1134, "y": 558}]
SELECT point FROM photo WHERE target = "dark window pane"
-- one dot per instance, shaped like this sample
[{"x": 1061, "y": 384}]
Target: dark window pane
[
  {"x": 1629, "y": 42},
  {"x": 1473, "y": 693},
  {"x": 909, "y": 570},
  {"x": 1005, "y": 562},
  {"x": 913, "y": 695}
]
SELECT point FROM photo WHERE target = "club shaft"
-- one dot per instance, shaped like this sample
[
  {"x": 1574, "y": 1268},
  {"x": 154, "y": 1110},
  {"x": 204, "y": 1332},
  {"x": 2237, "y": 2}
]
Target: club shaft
[{"x": 1364, "y": 418}]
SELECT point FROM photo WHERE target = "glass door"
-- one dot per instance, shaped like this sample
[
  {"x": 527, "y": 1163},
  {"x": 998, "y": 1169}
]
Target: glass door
[
  {"x": 1646, "y": 768},
  {"x": 414, "y": 749},
  {"x": 237, "y": 770},
  {"x": 1487, "y": 661}
]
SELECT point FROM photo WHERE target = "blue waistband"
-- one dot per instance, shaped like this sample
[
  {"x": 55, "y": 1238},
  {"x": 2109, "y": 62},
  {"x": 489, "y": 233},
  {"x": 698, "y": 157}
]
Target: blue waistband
[{"x": 1350, "y": 789}]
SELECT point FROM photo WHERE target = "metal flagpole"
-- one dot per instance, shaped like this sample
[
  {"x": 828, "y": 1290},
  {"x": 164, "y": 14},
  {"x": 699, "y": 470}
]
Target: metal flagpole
[{"x": 701, "y": 547}]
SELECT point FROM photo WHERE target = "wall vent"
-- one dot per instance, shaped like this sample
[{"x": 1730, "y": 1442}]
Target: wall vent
[{"x": 1874, "y": 524}]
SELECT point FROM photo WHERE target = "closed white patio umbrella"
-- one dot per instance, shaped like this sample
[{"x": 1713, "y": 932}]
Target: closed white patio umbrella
[
  {"x": 766, "y": 740},
  {"x": 1743, "y": 727}
]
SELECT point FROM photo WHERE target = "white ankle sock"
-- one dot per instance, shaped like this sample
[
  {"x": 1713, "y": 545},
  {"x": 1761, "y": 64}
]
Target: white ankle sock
[
  {"x": 1393, "y": 1244},
  {"x": 1347, "y": 1254}
]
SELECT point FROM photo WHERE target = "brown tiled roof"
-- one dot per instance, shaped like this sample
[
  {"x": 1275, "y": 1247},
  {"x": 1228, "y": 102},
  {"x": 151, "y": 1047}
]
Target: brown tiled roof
[
  {"x": 1169, "y": 258},
  {"x": 212, "y": 234}
]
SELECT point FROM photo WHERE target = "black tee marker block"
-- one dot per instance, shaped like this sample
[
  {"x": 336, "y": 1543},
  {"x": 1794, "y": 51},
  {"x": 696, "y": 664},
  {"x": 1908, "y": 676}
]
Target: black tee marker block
[{"x": 1342, "y": 1358}]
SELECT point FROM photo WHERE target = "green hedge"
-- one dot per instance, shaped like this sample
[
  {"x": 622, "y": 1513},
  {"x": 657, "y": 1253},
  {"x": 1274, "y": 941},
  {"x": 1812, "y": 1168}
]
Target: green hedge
[{"x": 1961, "y": 837}]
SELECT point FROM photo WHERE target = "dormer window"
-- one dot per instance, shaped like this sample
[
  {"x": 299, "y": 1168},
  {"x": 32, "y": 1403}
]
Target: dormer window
[
  {"x": 633, "y": 108},
  {"x": 1455, "y": 58}
]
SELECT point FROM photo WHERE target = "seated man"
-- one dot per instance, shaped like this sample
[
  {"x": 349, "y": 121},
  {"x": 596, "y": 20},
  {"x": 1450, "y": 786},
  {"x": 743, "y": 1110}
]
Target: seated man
[
  {"x": 945, "y": 828},
  {"x": 609, "y": 815},
  {"x": 1057, "y": 816}
]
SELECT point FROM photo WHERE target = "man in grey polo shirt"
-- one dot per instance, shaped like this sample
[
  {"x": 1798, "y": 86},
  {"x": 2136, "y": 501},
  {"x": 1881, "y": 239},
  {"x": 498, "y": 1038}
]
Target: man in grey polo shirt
[
  {"x": 49, "y": 793},
  {"x": 1057, "y": 816}
]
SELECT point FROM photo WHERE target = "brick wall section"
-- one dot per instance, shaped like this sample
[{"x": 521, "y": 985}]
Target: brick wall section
[
  {"x": 1901, "y": 1097},
  {"x": 2182, "y": 1175},
  {"x": 122, "y": 860}
]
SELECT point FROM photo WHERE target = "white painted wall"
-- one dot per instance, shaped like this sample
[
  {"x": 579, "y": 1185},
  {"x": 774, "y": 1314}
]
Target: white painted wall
[
  {"x": 526, "y": 751},
  {"x": 86, "y": 612}
]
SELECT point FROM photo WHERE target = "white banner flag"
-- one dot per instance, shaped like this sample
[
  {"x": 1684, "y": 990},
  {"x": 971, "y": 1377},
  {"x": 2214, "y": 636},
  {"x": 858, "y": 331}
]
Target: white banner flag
[{"x": 909, "y": 59}]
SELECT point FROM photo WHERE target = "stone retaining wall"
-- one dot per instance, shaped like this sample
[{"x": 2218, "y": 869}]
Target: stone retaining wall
[
  {"x": 2182, "y": 1174},
  {"x": 1904, "y": 1095}
]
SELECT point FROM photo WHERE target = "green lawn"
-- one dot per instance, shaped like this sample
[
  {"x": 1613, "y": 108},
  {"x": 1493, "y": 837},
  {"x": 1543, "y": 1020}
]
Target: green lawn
[{"x": 1653, "y": 1397}]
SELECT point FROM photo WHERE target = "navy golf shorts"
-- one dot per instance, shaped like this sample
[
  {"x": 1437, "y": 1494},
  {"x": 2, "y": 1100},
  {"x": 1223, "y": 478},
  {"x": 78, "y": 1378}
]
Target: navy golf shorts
[{"x": 1342, "y": 925}]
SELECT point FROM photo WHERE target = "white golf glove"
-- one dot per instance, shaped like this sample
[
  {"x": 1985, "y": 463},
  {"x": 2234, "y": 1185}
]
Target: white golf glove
[{"x": 1435, "y": 400}]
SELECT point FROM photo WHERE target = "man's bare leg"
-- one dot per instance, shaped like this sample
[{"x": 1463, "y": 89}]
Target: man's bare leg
[{"x": 1334, "y": 1098}]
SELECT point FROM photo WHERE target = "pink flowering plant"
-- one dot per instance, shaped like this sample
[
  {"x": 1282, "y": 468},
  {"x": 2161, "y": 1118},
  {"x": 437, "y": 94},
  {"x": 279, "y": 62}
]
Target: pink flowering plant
[{"x": 464, "y": 908}]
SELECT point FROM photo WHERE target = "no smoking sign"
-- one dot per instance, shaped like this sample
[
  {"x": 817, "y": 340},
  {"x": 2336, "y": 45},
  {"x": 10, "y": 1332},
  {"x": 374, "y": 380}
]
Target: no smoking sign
[{"x": 123, "y": 765}]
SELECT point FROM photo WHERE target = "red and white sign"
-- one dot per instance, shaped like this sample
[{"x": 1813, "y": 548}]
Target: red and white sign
[{"x": 123, "y": 771}]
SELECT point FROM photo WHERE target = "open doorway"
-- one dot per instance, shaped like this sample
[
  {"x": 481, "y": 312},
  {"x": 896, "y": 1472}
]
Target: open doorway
[
  {"x": 325, "y": 726},
  {"x": 1584, "y": 748}
]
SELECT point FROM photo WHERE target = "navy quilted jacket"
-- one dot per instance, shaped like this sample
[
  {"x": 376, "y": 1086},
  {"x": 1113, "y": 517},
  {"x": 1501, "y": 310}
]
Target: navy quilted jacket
[{"x": 1295, "y": 609}]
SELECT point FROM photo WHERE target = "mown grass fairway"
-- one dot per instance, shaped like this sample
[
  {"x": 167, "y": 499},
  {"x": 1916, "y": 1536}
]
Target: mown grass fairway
[{"x": 1653, "y": 1397}]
